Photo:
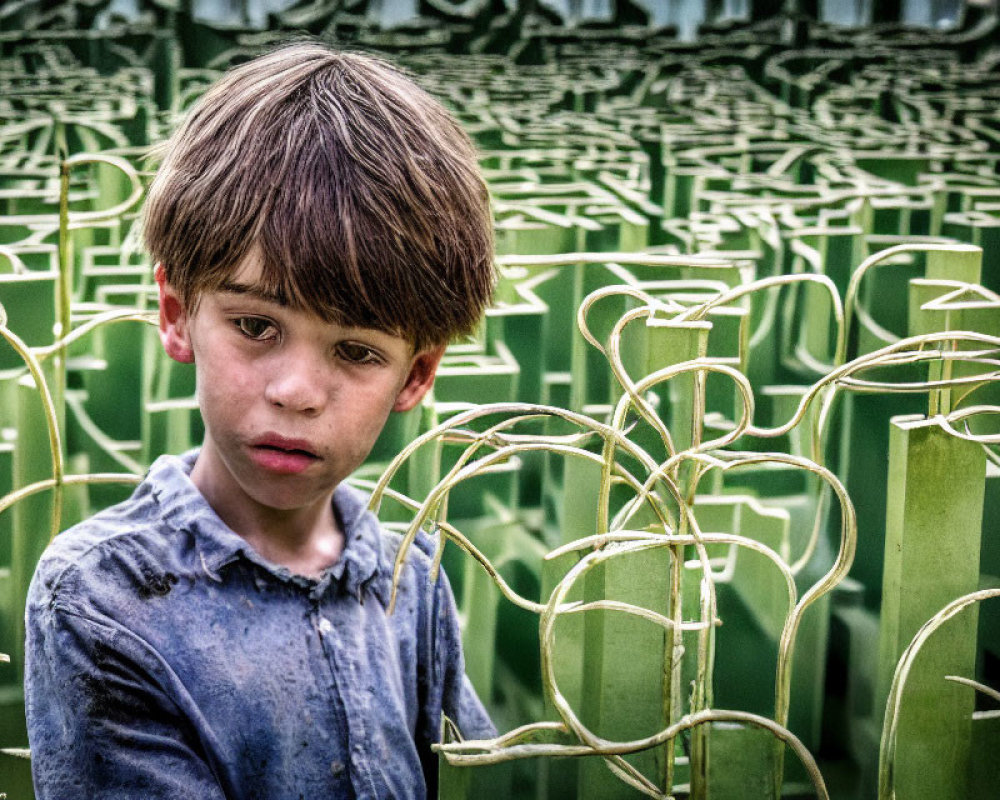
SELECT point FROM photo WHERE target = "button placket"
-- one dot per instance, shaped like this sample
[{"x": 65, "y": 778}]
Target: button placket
[{"x": 340, "y": 643}]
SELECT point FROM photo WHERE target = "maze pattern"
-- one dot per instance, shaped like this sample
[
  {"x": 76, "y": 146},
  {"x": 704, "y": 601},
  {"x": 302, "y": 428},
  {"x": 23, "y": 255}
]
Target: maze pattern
[{"x": 718, "y": 473}]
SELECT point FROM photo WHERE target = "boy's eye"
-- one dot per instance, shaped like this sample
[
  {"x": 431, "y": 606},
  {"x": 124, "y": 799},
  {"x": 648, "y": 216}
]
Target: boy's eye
[
  {"x": 255, "y": 327},
  {"x": 357, "y": 353}
]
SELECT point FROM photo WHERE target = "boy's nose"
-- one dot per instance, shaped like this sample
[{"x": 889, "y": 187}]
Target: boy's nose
[{"x": 295, "y": 386}]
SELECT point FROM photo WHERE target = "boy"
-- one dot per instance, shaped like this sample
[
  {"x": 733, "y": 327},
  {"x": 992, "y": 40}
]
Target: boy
[{"x": 321, "y": 231}]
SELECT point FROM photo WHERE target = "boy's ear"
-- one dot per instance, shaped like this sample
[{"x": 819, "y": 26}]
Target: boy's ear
[
  {"x": 421, "y": 378},
  {"x": 173, "y": 321}
]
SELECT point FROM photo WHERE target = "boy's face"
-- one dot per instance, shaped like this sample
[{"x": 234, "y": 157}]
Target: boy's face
[{"x": 292, "y": 404}]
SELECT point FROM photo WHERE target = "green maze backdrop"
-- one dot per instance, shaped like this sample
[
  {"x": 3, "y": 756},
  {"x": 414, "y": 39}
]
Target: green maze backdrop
[{"x": 717, "y": 481}]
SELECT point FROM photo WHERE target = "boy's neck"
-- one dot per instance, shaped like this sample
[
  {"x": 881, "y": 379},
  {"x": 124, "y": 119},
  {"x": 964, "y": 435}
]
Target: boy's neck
[{"x": 306, "y": 540}]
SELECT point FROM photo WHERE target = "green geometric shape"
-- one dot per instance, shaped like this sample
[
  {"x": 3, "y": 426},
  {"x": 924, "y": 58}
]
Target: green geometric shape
[
  {"x": 626, "y": 698},
  {"x": 933, "y": 530}
]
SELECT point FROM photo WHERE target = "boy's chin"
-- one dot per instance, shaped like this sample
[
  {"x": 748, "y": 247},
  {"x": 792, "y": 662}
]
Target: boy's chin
[
  {"x": 290, "y": 502},
  {"x": 289, "y": 492}
]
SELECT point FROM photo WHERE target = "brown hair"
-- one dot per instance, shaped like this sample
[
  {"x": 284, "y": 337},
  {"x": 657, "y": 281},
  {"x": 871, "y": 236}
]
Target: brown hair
[{"x": 359, "y": 191}]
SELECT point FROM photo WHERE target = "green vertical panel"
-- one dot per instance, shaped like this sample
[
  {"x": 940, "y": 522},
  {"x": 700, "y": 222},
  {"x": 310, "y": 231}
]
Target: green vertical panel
[
  {"x": 454, "y": 783},
  {"x": 517, "y": 319},
  {"x": 782, "y": 401},
  {"x": 634, "y": 235},
  {"x": 586, "y": 382},
  {"x": 981, "y": 229},
  {"x": 424, "y": 467},
  {"x": 933, "y": 526},
  {"x": 818, "y": 333},
  {"x": 954, "y": 306},
  {"x": 626, "y": 697},
  {"x": 861, "y": 732},
  {"x": 470, "y": 376},
  {"x": 559, "y": 292},
  {"x": 985, "y": 772},
  {"x": 114, "y": 394},
  {"x": 480, "y": 597},
  {"x": 945, "y": 305},
  {"x": 742, "y": 763},
  {"x": 581, "y": 488},
  {"x": 472, "y": 783},
  {"x": 15, "y": 772},
  {"x": 674, "y": 343},
  {"x": 714, "y": 514},
  {"x": 560, "y": 775},
  {"x": 744, "y": 657},
  {"x": 400, "y": 428},
  {"x": 11, "y": 696},
  {"x": 752, "y": 604},
  {"x": 29, "y": 301},
  {"x": 864, "y": 443},
  {"x": 961, "y": 265},
  {"x": 32, "y": 517},
  {"x": 805, "y": 714},
  {"x": 756, "y": 578},
  {"x": 578, "y": 518},
  {"x": 902, "y": 168},
  {"x": 555, "y": 392},
  {"x": 6, "y": 485},
  {"x": 171, "y": 426},
  {"x": 726, "y": 343}
]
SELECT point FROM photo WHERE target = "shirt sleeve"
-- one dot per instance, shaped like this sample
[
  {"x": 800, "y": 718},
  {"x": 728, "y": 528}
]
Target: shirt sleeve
[
  {"x": 451, "y": 691},
  {"x": 100, "y": 725}
]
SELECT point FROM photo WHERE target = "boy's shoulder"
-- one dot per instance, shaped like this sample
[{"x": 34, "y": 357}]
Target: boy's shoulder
[{"x": 134, "y": 534}]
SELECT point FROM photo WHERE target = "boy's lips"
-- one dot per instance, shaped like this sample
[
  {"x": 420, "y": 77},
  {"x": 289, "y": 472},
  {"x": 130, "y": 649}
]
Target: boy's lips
[{"x": 282, "y": 455}]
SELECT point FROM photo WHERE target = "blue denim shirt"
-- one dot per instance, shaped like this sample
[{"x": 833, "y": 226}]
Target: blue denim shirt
[{"x": 167, "y": 659}]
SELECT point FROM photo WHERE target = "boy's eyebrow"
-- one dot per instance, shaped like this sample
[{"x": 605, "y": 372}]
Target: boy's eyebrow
[{"x": 253, "y": 291}]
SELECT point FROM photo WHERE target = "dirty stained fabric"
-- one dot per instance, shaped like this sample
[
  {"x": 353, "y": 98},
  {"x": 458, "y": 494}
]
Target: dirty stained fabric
[{"x": 166, "y": 658}]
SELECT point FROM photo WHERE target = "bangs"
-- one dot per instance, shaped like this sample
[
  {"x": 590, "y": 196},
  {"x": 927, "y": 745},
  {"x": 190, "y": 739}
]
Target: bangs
[
  {"x": 358, "y": 191},
  {"x": 357, "y": 236}
]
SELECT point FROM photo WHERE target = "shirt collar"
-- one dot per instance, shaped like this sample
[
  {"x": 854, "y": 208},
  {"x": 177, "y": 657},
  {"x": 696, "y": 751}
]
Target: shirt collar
[{"x": 184, "y": 508}]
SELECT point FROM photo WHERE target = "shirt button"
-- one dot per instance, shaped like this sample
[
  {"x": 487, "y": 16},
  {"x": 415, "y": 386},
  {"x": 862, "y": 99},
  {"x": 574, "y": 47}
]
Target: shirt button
[
  {"x": 324, "y": 625},
  {"x": 336, "y": 767}
]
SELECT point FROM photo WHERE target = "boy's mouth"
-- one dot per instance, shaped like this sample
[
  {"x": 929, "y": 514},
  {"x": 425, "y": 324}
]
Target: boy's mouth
[
  {"x": 286, "y": 449},
  {"x": 278, "y": 454},
  {"x": 281, "y": 444}
]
